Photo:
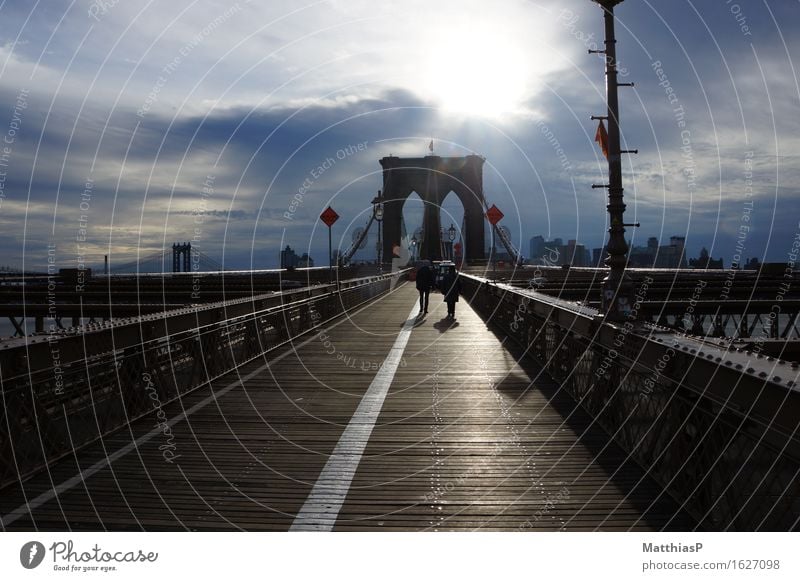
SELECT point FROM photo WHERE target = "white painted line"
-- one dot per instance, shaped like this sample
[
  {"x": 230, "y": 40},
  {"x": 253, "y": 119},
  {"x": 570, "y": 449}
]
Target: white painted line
[
  {"x": 51, "y": 493},
  {"x": 321, "y": 508}
]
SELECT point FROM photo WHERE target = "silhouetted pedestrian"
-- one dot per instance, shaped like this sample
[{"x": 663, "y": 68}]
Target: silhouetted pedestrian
[
  {"x": 424, "y": 285},
  {"x": 451, "y": 287}
]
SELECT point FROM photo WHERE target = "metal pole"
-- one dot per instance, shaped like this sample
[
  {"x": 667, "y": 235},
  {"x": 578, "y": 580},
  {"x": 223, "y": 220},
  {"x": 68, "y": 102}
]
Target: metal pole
[
  {"x": 617, "y": 287},
  {"x": 494, "y": 257},
  {"x": 330, "y": 253},
  {"x": 494, "y": 250}
]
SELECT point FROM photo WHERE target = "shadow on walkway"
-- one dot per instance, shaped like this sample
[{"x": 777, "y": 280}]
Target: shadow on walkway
[{"x": 659, "y": 510}]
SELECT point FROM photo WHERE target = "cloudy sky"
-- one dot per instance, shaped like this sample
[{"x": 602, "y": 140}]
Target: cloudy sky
[{"x": 129, "y": 125}]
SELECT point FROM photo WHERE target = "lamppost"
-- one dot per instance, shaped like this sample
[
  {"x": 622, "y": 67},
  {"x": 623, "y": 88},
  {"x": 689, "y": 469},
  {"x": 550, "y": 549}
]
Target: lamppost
[
  {"x": 451, "y": 233},
  {"x": 377, "y": 212},
  {"x": 414, "y": 248},
  {"x": 617, "y": 286}
]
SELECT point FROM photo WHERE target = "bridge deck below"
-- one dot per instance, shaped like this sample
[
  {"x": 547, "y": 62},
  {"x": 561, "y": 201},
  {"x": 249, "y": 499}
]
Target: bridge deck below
[{"x": 469, "y": 436}]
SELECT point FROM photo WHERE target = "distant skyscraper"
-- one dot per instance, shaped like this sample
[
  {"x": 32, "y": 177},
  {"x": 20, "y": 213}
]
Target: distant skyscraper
[
  {"x": 536, "y": 247},
  {"x": 599, "y": 256},
  {"x": 574, "y": 254},
  {"x": 677, "y": 241},
  {"x": 655, "y": 256},
  {"x": 752, "y": 264},
  {"x": 288, "y": 258},
  {"x": 556, "y": 253},
  {"x": 705, "y": 261},
  {"x": 305, "y": 261}
]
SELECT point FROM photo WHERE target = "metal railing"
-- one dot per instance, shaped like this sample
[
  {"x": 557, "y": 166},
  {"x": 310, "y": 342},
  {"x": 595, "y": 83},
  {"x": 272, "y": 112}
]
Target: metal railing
[
  {"x": 63, "y": 392},
  {"x": 717, "y": 429}
]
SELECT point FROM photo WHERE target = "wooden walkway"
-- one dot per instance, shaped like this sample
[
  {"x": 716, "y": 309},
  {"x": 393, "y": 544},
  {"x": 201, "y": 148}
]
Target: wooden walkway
[{"x": 468, "y": 438}]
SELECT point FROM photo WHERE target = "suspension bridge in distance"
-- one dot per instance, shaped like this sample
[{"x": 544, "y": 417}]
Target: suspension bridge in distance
[{"x": 180, "y": 258}]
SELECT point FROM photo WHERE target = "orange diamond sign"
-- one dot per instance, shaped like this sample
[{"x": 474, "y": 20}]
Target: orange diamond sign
[
  {"x": 329, "y": 216},
  {"x": 494, "y": 215}
]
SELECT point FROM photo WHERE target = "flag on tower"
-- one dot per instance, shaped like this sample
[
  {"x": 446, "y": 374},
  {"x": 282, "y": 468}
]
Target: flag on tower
[{"x": 601, "y": 137}]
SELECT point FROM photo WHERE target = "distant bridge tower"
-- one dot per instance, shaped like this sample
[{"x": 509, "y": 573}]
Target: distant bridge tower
[
  {"x": 433, "y": 178},
  {"x": 182, "y": 257}
]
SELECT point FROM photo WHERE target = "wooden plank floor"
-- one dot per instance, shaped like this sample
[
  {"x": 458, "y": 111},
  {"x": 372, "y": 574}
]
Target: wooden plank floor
[{"x": 468, "y": 438}]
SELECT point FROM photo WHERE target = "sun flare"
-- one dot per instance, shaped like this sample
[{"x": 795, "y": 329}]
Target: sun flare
[{"x": 477, "y": 75}]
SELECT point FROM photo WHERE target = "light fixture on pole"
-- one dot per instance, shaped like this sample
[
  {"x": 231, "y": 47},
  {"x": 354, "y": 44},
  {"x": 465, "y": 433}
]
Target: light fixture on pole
[
  {"x": 414, "y": 248},
  {"x": 451, "y": 233},
  {"x": 377, "y": 212}
]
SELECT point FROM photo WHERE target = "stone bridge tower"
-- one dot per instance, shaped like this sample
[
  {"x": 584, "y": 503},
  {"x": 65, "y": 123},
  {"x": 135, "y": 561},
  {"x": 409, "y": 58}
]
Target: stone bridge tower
[{"x": 432, "y": 178}]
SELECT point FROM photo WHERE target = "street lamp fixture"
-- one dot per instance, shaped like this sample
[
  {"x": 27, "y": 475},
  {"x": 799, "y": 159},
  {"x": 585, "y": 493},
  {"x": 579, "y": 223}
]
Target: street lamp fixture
[
  {"x": 451, "y": 232},
  {"x": 377, "y": 213},
  {"x": 414, "y": 248}
]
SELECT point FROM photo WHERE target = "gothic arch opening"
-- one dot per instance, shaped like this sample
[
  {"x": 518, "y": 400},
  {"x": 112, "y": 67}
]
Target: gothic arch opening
[
  {"x": 453, "y": 232},
  {"x": 411, "y": 229}
]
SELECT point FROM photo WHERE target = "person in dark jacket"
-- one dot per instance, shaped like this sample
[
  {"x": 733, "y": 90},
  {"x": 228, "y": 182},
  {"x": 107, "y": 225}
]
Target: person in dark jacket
[
  {"x": 451, "y": 287},
  {"x": 424, "y": 285}
]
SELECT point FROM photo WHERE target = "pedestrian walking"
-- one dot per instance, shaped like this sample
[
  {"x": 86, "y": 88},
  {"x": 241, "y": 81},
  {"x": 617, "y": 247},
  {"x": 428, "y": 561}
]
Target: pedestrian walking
[
  {"x": 424, "y": 285},
  {"x": 451, "y": 287}
]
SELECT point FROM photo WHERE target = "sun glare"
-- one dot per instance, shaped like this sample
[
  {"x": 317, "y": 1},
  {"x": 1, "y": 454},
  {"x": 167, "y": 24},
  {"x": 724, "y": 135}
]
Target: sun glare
[{"x": 477, "y": 75}]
